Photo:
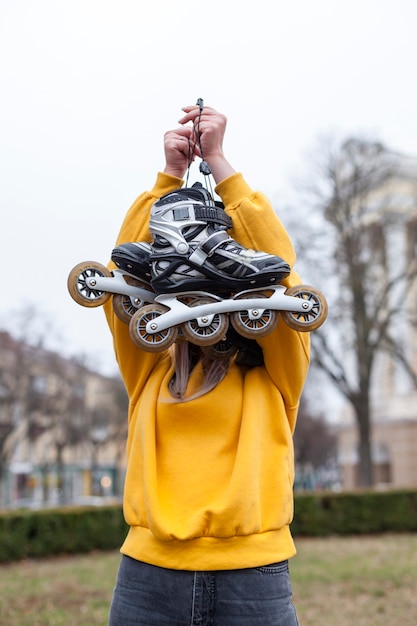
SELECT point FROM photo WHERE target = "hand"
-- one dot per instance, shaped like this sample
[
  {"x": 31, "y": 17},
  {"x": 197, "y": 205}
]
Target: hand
[
  {"x": 208, "y": 130},
  {"x": 210, "y": 126},
  {"x": 179, "y": 150}
]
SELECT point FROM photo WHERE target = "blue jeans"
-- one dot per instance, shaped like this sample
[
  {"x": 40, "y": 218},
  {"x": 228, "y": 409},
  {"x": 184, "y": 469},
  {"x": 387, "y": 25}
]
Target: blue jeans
[{"x": 154, "y": 596}]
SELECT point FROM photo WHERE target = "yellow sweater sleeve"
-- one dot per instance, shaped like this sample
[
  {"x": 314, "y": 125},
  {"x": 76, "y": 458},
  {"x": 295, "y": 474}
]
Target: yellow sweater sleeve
[
  {"x": 135, "y": 364},
  {"x": 256, "y": 225}
]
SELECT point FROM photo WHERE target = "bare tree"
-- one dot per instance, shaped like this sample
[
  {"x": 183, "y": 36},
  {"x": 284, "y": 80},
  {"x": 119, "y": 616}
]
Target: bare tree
[
  {"x": 118, "y": 423},
  {"x": 314, "y": 440},
  {"x": 14, "y": 375},
  {"x": 352, "y": 207},
  {"x": 18, "y": 405},
  {"x": 108, "y": 422}
]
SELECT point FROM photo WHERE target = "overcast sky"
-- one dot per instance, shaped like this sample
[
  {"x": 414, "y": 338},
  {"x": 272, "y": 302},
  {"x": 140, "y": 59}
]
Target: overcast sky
[{"x": 88, "y": 88}]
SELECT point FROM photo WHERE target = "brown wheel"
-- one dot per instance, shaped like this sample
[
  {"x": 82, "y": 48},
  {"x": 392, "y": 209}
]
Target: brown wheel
[
  {"x": 253, "y": 327},
  {"x": 123, "y": 306},
  {"x": 151, "y": 342},
  {"x": 309, "y": 320},
  {"x": 82, "y": 292},
  {"x": 205, "y": 335}
]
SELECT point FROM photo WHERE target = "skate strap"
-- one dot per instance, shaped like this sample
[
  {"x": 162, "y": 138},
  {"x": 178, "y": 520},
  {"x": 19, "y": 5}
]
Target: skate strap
[
  {"x": 207, "y": 247},
  {"x": 203, "y": 213}
]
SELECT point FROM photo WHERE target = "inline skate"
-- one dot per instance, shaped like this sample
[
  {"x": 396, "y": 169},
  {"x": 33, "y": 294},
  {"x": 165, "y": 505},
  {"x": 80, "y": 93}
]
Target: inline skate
[
  {"x": 204, "y": 281},
  {"x": 194, "y": 282}
]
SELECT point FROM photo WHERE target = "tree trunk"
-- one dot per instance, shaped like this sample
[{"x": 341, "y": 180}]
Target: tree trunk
[
  {"x": 60, "y": 474},
  {"x": 3, "y": 491},
  {"x": 365, "y": 476}
]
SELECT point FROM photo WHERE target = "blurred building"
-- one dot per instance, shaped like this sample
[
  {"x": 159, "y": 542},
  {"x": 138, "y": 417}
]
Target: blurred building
[{"x": 62, "y": 429}]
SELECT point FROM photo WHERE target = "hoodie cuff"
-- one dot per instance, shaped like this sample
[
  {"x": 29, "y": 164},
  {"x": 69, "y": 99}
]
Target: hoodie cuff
[
  {"x": 233, "y": 189},
  {"x": 164, "y": 184}
]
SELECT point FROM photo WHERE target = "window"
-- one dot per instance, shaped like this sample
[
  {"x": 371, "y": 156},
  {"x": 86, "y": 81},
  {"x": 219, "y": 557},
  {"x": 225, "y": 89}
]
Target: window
[{"x": 38, "y": 384}]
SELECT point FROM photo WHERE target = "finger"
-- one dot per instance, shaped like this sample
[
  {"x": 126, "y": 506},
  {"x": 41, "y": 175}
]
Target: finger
[
  {"x": 183, "y": 132},
  {"x": 190, "y": 116},
  {"x": 193, "y": 107},
  {"x": 192, "y": 112}
]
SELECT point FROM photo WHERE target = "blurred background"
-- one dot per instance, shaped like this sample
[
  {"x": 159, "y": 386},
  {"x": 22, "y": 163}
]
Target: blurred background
[{"x": 321, "y": 101}]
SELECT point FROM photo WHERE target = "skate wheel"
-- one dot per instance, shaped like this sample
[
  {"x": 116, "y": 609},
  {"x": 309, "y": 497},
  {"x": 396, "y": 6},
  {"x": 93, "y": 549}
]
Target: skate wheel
[
  {"x": 123, "y": 306},
  {"x": 220, "y": 351},
  {"x": 252, "y": 326},
  {"x": 201, "y": 334},
  {"x": 82, "y": 292},
  {"x": 151, "y": 342},
  {"x": 310, "y": 320}
]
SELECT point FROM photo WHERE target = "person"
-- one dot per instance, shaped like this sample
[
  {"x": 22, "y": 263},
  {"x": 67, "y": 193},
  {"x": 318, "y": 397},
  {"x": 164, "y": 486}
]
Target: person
[{"x": 208, "y": 492}]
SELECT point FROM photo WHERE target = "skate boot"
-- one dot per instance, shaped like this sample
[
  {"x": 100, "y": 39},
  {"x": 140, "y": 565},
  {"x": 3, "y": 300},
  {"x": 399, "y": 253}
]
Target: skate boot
[
  {"x": 133, "y": 258},
  {"x": 206, "y": 283},
  {"x": 192, "y": 250}
]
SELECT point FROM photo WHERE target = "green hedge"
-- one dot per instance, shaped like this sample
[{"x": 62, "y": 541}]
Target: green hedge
[
  {"x": 34, "y": 534},
  {"x": 355, "y": 513},
  {"x": 31, "y": 534}
]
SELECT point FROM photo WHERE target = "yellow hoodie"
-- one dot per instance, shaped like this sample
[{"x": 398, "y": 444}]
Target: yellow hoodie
[{"x": 209, "y": 482}]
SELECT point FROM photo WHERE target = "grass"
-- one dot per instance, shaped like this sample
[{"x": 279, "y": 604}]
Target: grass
[
  {"x": 366, "y": 581},
  {"x": 360, "y": 581},
  {"x": 61, "y": 591}
]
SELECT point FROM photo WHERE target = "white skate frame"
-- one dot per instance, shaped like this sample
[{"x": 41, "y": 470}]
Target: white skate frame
[
  {"x": 116, "y": 284},
  {"x": 204, "y": 313}
]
